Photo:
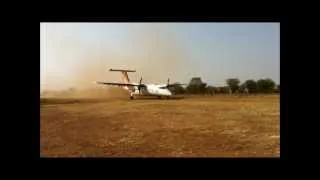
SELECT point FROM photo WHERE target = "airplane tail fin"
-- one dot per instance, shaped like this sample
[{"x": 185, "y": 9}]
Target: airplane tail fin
[{"x": 124, "y": 77}]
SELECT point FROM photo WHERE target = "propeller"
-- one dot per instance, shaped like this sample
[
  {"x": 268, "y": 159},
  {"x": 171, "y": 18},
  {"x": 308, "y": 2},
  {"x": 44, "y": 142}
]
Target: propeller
[{"x": 139, "y": 87}]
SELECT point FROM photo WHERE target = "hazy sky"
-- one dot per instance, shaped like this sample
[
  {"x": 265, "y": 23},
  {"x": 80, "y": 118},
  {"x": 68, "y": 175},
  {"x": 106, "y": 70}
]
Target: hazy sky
[{"x": 78, "y": 53}]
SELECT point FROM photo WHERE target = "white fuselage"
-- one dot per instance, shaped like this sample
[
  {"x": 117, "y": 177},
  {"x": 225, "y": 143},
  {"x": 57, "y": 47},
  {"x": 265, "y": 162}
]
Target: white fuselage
[
  {"x": 145, "y": 89},
  {"x": 151, "y": 90}
]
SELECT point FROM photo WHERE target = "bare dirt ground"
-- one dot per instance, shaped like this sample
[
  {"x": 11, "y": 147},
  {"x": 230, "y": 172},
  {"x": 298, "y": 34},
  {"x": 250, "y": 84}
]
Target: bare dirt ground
[{"x": 206, "y": 126}]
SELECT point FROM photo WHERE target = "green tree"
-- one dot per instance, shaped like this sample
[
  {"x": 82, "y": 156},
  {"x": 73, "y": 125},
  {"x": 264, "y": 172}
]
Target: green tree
[
  {"x": 217, "y": 90},
  {"x": 233, "y": 84},
  {"x": 203, "y": 88},
  {"x": 224, "y": 90},
  {"x": 251, "y": 85},
  {"x": 196, "y": 86},
  {"x": 176, "y": 88},
  {"x": 278, "y": 88},
  {"x": 191, "y": 89},
  {"x": 266, "y": 85},
  {"x": 242, "y": 88},
  {"x": 210, "y": 90}
]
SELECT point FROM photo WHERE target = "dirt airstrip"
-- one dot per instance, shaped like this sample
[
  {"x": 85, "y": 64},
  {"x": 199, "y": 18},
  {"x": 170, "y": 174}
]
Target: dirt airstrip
[{"x": 189, "y": 126}]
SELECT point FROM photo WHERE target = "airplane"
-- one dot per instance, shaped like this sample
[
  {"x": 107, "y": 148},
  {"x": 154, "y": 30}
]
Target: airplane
[{"x": 140, "y": 89}]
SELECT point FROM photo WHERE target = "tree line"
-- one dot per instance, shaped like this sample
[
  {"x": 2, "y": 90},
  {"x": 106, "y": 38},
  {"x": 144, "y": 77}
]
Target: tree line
[{"x": 233, "y": 86}]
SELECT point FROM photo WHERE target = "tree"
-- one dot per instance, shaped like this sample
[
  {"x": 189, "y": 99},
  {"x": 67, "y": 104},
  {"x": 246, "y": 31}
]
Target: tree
[
  {"x": 210, "y": 90},
  {"x": 192, "y": 89},
  {"x": 217, "y": 90},
  {"x": 203, "y": 88},
  {"x": 196, "y": 86},
  {"x": 176, "y": 88},
  {"x": 266, "y": 85},
  {"x": 251, "y": 85},
  {"x": 278, "y": 88},
  {"x": 224, "y": 90},
  {"x": 233, "y": 84},
  {"x": 242, "y": 88}
]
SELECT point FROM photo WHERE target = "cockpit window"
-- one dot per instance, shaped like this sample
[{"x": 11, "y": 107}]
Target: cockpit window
[{"x": 163, "y": 87}]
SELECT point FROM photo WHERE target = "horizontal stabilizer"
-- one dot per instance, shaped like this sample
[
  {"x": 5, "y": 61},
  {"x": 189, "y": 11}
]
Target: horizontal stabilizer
[
  {"x": 172, "y": 85},
  {"x": 122, "y": 70}
]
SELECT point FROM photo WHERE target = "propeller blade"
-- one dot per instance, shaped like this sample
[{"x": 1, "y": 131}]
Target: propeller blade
[{"x": 139, "y": 87}]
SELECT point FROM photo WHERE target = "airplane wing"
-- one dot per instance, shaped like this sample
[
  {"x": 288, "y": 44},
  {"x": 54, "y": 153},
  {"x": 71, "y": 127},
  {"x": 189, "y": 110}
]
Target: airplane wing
[
  {"x": 172, "y": 85},
  {"x": 116, "y": 84},
  {"x": 177, "y": 84}
]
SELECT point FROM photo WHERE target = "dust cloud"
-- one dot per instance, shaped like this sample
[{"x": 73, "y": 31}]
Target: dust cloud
[{"x": 155, "y": 54}]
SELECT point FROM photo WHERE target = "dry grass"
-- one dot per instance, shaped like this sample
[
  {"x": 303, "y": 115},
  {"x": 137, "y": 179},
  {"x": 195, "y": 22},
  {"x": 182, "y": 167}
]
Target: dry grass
[{"x": 216, "y": 126}]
